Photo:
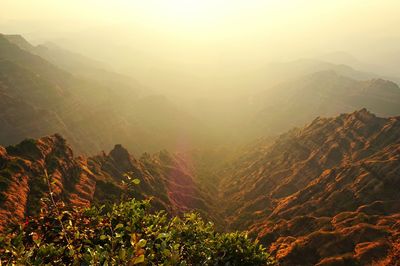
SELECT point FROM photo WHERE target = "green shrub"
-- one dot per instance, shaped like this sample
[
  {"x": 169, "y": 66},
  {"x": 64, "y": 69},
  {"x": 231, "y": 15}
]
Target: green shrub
[{"x": 125, "y": 234}]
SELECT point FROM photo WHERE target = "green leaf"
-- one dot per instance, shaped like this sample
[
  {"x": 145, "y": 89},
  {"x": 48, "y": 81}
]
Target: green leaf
[
  {"x": 142, "y": 243},
  {"x": 138, "y": 260},
  {"x": 135, "y": 181},
  {"x": 162, "y": 235},
  {"x": 166, "y": 252},
  {"x": 103, "y": 237},
  {"x": 119, "y": 226},
  {"x": 122, "y": 253}
]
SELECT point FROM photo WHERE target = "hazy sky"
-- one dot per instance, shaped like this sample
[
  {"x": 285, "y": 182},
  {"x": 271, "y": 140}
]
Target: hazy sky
[{"x": 205, "y": 36}]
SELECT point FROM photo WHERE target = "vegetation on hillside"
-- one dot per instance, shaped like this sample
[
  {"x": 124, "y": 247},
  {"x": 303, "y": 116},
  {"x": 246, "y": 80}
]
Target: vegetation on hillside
[{"x": 126, "y": 233}]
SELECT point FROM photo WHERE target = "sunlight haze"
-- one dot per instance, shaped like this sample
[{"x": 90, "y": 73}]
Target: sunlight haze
[
  {"x": 200, "y": 132},
  {"x": 209, "y": 36}
]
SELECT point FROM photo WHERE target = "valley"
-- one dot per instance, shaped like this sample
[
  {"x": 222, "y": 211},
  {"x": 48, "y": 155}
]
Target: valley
[
  {"x": 307, "y": 161},
  {"x": 305, "y": 187}
]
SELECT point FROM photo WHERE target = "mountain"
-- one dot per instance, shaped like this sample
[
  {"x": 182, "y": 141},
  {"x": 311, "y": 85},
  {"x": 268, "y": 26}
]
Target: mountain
[
  {"x": 326, "y": 93},
  {"x": 344, "y": 58},
  {"x": 41, "y": 98},
  {"x": 94, "y": 108},
  {"x": 275, "y": 73},
  {"x": 81, "y": 181},
  {"x": 325, "y": 194},
  {"x": 79, "y": 65},
  {"x": 289, "y": 95},
  {"x": 321, "y": 194}
]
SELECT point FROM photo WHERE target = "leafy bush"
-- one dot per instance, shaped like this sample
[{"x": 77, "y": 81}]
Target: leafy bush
[{"x": 125, "y": 234}]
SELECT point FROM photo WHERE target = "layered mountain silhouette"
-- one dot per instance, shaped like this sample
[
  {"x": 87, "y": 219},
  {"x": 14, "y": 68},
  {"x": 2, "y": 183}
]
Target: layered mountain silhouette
[
  {"x": 39, "y": 98},
  {"x": 79, "y": 65},
  {"x": 46, "y": 89},
  {"x": 325, "y": 93},
  {"x": 294, "y": 93},
  {"x": 326, "y": 193}
]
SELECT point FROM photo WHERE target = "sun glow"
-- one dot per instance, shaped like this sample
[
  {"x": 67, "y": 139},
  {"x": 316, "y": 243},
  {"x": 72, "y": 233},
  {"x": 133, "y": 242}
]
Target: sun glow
[
  {"x": 205, "y": 33},
  {"x": 186, "y": 14},
  {"x": 189, "y": 9}
]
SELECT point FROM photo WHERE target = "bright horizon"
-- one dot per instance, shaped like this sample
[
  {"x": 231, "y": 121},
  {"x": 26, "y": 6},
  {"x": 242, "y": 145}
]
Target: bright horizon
[
  {"x": 274, "y": 124},
  {"x": 208, "y": 42}
]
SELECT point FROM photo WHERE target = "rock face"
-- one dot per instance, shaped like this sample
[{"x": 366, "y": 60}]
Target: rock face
[
  {"x": 164, "y": 176},
  {"x": 81, "y": 181},
  {"x": 325, "y": 194}
]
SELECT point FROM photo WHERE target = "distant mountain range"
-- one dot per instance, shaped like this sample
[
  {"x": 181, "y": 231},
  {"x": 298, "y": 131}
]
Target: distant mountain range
[
  {"x": 325, "y": 93},
  {"x": 79, "y": 65},
  {"x": 40, "y": 98},
  {"x": 94, "y": 107},
  {"x": 318, "y": 184}
]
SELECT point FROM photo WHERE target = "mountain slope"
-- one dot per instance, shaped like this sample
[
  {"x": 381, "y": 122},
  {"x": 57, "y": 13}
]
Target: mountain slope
[
  {"x": 327, "y": 93},
  {"x": 81, "y": 181},
  {"x": 79, "y": 65},
  {"x": 324, "y": 193},
  {"x": 93, "y": 114},
  {"x": 306, "y": 66}
]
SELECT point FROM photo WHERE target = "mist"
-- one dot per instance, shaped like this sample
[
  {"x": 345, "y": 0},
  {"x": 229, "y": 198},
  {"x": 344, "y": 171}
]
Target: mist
[
  {"x": 195, "y": 47},
  {"x": 276, "y": 122},
  {"x": 222, "y": 65}
]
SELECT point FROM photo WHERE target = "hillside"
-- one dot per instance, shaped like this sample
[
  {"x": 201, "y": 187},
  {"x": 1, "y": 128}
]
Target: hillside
[
  {"x": 79, "y": 65},
  {"x": 303, "y": 90},
  {"x": 326, "y": 193},
  {"x": 80, "y": 181},
  {"x": 321, "y": 194},
  {"x": 92, "y": 113},
  {"x": 94, "y": 108},
  {"x": 327, "y": 93}
]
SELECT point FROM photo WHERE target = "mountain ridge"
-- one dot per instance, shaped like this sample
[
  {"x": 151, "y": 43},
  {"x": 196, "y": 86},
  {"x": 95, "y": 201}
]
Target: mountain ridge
[
  {"x": 80, "y": 181},
  {"x": 326, "y": 93},
  {"x": 322, "y": 190},
  {"x": 92, "y": 114},
  {"x": 334, "y": 181},
  {"x": 293, "y": 193}
]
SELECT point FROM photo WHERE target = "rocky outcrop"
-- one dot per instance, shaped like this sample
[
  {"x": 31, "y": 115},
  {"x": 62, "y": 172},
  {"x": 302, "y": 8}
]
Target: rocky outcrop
[
  {"x": 81, "y": 181},
  {"x": 325, "y": 194}
]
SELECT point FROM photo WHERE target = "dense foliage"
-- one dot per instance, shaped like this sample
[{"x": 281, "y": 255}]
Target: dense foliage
[{"x": 125, "y": 234}]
